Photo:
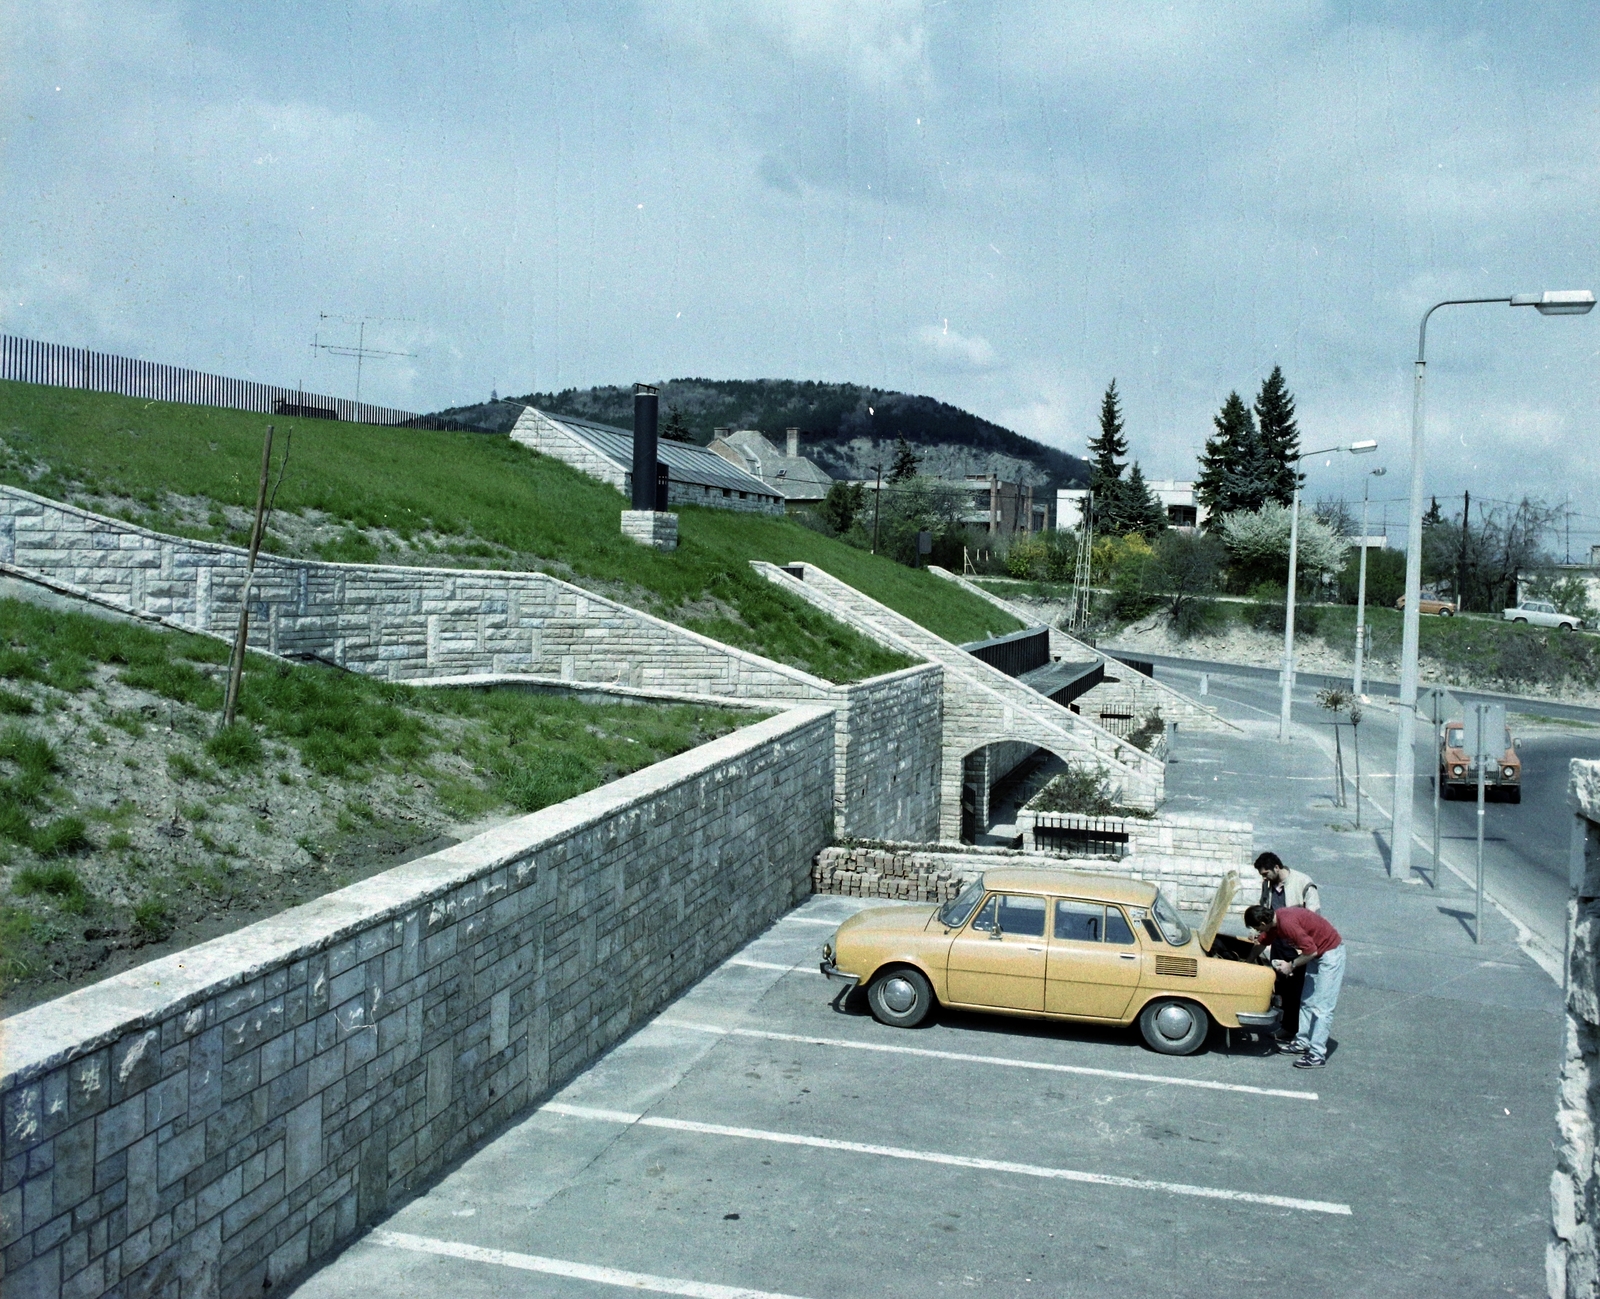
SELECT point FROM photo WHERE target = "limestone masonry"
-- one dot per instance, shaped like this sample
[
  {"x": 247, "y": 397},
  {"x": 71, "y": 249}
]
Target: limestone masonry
[{"x": 211, "y": 1122}]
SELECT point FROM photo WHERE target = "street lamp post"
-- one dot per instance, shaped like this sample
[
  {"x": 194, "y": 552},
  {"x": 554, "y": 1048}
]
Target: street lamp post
[
  {"x": 877, "y": 492},
  {"x": 1361, "y": 584},
  {"x": 1561, "y": 302},
  {"x": 1287, "y": 697}
]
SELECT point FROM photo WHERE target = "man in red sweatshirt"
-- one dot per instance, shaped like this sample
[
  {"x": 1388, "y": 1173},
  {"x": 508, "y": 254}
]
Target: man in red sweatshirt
[{"x": 1321, "y": 956}]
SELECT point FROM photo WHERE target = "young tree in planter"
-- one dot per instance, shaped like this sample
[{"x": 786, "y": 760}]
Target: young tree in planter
[{"x": 1280, "y": 438}]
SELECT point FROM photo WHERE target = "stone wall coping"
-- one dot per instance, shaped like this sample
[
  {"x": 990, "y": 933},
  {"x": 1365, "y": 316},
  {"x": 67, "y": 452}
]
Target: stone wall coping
[
  {"x": 47, "y": 1036},
  {"x": 401, "y": 573}
]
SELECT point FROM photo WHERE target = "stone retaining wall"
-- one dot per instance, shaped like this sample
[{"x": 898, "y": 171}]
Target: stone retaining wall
[
  {"x": 417, "y": 624},
  {"x": 211, "y": 1122},
  {"x": 1231, "y": 844},
  {"x": 933, "y": 873},
  {"x": 1571, "y": 1268}
]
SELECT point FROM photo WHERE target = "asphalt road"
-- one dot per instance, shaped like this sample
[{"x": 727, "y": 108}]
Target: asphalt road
[{"x": 1525, "y": 844}]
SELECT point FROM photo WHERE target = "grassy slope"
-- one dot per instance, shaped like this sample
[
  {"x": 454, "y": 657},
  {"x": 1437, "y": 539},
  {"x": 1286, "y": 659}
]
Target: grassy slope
[
  {"x": 124, "y": 809},
  {"x": 481, "y": 486}
]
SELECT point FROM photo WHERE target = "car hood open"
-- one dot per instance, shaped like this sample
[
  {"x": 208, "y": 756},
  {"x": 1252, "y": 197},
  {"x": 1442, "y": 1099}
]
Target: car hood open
[{"x": 1221, "y": 900}]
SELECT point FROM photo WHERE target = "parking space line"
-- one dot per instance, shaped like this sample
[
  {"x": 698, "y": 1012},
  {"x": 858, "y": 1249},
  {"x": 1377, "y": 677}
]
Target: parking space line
[
  {"x": 938, "y": 1157},
  {"x": 561, "y": 1267},
  {"x": 1005, "y": 1061},
  {"x": 748, "y": 964}
]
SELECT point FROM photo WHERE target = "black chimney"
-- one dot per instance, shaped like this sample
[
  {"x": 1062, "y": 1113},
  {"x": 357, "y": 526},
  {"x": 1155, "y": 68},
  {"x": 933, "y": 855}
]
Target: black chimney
[{"x": 644, "y": 447}]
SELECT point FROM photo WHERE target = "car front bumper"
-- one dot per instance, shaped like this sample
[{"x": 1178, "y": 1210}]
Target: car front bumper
[
  {"x": 1267, "y": 1020},
  {"x": 832, "y": 971}
]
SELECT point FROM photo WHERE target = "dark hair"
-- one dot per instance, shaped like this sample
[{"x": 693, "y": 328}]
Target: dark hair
[
  {"x": 1268, "y": 861},
  {"x": 1259, "y": 918}
]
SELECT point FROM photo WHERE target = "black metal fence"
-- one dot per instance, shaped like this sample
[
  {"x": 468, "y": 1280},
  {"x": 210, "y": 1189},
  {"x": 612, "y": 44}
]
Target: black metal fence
[
  {"x": 1016, "y": 653},
  {"x": 26, "y": 360},
  {"x": 1119, "y": 724},
  {"x": 1079, "y": 836}
]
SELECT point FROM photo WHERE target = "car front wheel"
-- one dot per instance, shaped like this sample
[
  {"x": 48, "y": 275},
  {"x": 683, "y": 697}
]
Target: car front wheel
[
  {"x": 1564, "y": 626},
  {"x": 900, "y": 998},
  {"x": 1523, "y": 621},
  {"x": 1447, "y": 613},
  {"x": 1174, "y": 1027}
]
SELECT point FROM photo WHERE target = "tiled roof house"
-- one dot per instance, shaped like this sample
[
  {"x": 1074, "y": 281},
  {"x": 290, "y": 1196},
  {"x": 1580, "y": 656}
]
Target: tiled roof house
[{"x": 799, "y": 480}]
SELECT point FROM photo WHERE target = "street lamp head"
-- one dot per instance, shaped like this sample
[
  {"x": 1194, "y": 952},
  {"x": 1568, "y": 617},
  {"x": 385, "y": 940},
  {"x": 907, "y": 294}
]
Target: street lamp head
[
  {"x": 1361, "y": 448},
  {"x": 1557, "y": 302},
  {"x": 1379, "y": 472}
]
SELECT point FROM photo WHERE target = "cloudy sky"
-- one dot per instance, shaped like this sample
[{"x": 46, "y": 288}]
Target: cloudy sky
[{"x": 999, "y": 204}]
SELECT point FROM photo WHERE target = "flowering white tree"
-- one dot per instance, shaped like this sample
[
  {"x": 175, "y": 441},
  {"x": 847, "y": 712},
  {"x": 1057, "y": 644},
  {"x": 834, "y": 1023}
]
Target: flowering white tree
[{"x": 1257, "y": 538}]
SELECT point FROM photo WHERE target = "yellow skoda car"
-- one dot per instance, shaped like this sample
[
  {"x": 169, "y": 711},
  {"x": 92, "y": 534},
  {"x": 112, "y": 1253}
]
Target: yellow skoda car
[{"x": 1058, "y": 944}]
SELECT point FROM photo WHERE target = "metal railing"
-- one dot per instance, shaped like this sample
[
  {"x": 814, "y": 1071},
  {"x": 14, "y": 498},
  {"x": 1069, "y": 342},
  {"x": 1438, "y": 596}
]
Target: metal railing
[
  {"x": 1079, "y": 836},
  {"x": 27, "y": 360}
]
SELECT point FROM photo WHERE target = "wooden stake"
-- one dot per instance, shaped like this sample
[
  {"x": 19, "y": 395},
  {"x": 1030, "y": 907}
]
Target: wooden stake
[{"x": 236, "y": 660}]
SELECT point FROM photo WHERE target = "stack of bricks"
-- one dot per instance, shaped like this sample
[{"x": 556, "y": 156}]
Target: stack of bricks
[{"x": 214, "y": 1121}]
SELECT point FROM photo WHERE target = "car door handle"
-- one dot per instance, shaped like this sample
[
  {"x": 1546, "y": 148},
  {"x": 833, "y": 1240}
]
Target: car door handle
[
  {"x": 1123, "y": 956},
  {"x": 1036, "y": 949}
]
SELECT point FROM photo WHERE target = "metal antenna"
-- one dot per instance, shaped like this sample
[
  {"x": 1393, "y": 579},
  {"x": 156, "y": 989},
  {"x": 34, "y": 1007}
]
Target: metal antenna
[{"x": 360, "y": 351}]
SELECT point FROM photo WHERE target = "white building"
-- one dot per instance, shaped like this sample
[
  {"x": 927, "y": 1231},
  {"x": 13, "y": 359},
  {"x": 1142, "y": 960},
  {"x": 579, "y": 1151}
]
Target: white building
[{"x": 1178, "y": 498}]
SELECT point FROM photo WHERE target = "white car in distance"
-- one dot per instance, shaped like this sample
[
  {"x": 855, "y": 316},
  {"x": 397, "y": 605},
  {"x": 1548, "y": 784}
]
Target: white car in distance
[{"x": 1541, "y": 613}]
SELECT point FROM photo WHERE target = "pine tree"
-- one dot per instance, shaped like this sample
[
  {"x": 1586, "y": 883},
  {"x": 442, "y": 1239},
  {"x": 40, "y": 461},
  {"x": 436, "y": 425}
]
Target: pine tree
[
  {"x": 1232, "y": 467},
  {"x": 676, "y": 429},
  {"x": 905, "y": 464},
  {"x": 1111, "y": 503},
  {"x": 1434, "y": 517},
  {"x": 1280, "y": 437},
  {"x": 1143, "y": 509}
]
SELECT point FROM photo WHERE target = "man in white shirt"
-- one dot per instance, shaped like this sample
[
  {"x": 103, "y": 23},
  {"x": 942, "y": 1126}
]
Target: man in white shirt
[{"x": 1282, "y": 887}]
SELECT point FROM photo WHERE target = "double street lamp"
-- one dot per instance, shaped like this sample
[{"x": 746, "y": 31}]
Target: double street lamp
[
  {"x": 1355, "y": 449},
  {"x": 1361, "y": 586},
  {"x": 1561, "y": 302}
]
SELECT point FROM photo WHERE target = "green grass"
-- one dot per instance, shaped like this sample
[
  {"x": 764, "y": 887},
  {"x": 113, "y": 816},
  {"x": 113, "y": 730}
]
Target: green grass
[{"x": 494, "y": 496}]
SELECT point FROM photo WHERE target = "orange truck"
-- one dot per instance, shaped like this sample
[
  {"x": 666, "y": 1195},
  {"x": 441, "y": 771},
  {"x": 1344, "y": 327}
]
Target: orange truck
[{"x": 1458, "y": 774}]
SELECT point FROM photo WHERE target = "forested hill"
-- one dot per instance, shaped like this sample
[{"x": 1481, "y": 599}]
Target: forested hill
[{"x": 844, "y": 427}]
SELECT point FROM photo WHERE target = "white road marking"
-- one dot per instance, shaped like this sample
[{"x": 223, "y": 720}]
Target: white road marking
[
  {"x": 768, "y": 965},
  {"x": 561, "y": 1267},
  {"x": 1006, "y": 1061},
  {"x": 938, "y": 1157}
]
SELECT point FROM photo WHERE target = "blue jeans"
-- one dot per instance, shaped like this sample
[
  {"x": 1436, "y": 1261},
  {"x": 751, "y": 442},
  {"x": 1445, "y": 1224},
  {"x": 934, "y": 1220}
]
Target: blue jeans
[{"x": 1324, "y": 977}]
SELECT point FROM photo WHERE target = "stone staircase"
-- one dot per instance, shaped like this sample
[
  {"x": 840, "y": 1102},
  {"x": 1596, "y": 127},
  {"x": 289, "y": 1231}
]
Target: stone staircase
[
  {"x": 982, "y": 705},
  {"x": 1145, "y": 694}
]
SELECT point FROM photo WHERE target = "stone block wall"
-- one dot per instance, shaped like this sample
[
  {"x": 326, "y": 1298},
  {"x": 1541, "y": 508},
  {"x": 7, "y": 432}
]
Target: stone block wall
[
  {"x": 1572, "y": 1269},
  {"x": 1230, "y": 844},
  {"x": 417, "y": 624},
  {"x": 212, "y": 1122},
  {"x": 935, "y": 872}
]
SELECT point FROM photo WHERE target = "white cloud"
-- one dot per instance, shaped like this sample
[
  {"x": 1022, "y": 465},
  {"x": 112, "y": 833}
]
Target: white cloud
[{"x": 945, "y": 347}]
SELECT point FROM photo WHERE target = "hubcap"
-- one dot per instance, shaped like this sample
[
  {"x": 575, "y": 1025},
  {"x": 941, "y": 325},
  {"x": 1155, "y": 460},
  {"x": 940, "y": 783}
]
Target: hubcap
[
  {"x": 899, "y": 996},
  {"x": 1174, "y": 1021}
]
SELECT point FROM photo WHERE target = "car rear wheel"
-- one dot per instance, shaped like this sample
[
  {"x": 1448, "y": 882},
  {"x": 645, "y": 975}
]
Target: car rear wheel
[
  {"x": 1524, "y": 621},
  {"x": 900, "y": 998},
  {"x": 1174, "y": 1027}
]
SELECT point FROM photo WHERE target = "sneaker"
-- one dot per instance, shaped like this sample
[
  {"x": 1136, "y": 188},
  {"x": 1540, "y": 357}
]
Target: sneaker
[
  {"x": 1293, "y": 1046},
  {"x": 1311, "y": 1061}
]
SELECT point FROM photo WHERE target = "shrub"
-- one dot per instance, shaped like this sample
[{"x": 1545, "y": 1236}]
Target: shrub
[
  {"x": 1147, "y": 731},
  {"x": 58, "y": 882},
  {"x": 63, "y": 835},
  {"x": 152, "y": 921},
  {"x": 1084, "y": 790},
  {"x": 1198, "y": 617},
  {"x": 235, "y": 746},
  {"x": 183, "y": 767}
]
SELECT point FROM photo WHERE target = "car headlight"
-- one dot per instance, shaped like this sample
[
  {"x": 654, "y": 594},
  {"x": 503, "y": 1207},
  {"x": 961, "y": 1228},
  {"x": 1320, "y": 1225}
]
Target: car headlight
[
  {"x": 1457, "y": 770},
  {"x": 1508, "y": 772}
]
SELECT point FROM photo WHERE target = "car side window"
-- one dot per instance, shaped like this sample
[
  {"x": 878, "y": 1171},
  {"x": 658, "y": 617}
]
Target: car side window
[
  {"x": 1021, "y": 915},
  {"x": 1117, "y": 930},
  {"x": 1080, "y": 922},
  {"x": 984, "y": 920}
]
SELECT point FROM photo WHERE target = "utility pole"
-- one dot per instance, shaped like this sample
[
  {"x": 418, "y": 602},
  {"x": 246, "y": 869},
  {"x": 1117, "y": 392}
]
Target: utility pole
[
  {"x": 877, "y": 496},
  {"x": 1461, "y": 559}
]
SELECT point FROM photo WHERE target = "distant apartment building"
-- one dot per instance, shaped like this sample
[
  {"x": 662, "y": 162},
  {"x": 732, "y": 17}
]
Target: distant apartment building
[{"x": 798, "y": 480}]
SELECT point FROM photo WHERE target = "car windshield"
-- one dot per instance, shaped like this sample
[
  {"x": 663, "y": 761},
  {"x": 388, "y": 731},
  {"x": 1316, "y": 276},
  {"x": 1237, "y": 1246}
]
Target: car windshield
[
  {"x": 954, "y": 913},
  {"x": 1166, "y": 915}
]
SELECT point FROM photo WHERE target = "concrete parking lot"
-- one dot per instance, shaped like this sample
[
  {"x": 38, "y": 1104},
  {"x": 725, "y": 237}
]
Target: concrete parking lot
[{"x": 759, "y": 1139}]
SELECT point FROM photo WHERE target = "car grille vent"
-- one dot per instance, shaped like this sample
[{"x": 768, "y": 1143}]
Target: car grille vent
[{"x": 1186, "y": 966}]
